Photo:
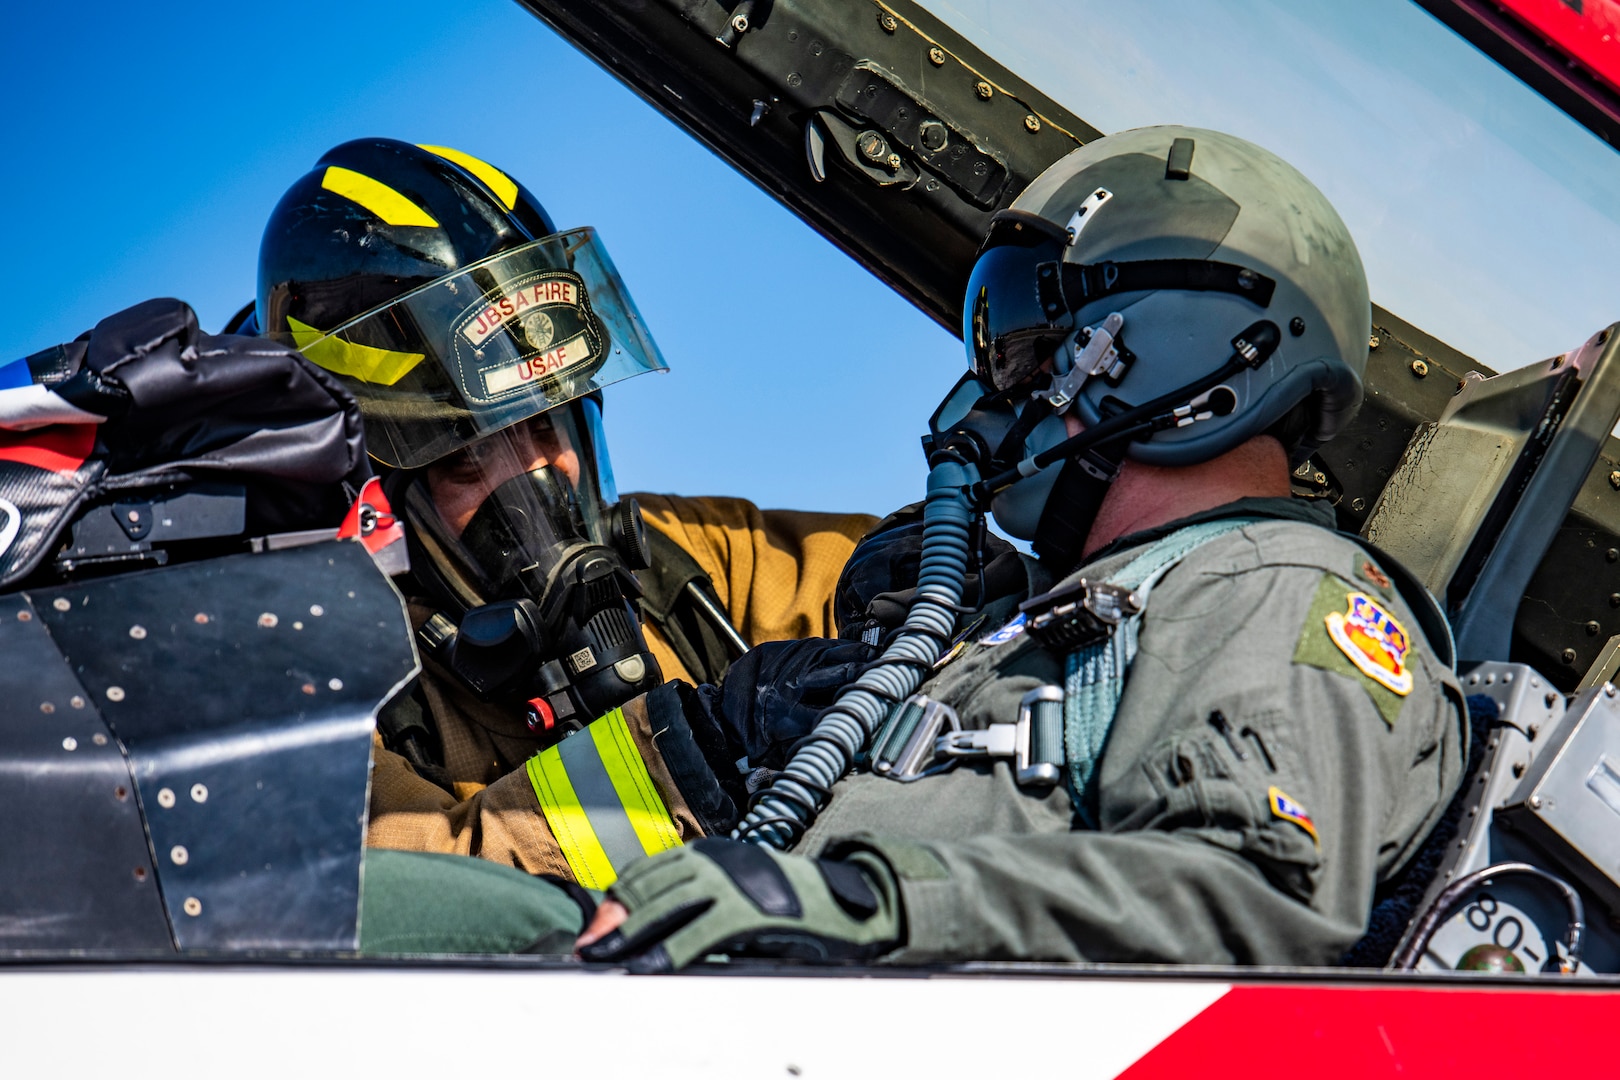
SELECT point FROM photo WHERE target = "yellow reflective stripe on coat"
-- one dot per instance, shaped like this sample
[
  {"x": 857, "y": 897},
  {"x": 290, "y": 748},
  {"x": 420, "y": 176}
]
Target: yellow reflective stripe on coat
[
  {"x": 650, "y": 819},
  {"x": 600, "y": 801}
]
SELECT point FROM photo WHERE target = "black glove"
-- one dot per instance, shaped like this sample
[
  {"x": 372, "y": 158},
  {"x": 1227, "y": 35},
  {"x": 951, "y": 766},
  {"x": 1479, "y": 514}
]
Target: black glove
[
  {"x": 774, "y": 692},
  {"x": 879, "y": 582},
  {"x": 725, "y": 896}
]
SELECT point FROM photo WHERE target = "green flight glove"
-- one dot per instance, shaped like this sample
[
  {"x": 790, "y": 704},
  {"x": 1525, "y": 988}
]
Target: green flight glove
[{"x": 725, "y": 896}]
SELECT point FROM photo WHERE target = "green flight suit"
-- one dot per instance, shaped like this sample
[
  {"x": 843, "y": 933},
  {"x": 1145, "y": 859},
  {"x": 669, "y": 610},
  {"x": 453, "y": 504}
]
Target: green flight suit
[{"x": 1238, "y": 693}]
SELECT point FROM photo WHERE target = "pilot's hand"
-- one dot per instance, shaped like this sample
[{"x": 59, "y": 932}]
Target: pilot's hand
[{"x": 728, "y": 897}]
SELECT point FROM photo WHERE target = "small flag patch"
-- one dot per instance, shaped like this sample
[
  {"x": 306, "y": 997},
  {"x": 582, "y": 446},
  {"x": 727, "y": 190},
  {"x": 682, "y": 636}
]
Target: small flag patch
[{"x": 1289, "y": 810}]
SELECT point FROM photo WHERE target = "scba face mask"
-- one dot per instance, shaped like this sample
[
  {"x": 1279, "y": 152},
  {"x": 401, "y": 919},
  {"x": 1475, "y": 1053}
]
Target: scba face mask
[{"x": 520, "y": 528}]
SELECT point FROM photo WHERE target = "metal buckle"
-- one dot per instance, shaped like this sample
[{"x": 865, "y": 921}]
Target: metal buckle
[
  {"x": 905, "y": 746},
  {"x": 1078, "y": 614},
  {"x": 1035, "y": 742}
]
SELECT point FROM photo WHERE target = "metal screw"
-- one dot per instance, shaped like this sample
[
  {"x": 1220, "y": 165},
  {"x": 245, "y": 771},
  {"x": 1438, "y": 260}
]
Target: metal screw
[
  {"x": 24, "y": 616},
  {"x": 936, "y": 56},
  {"x": 983, "y": 89},
  {"x": 1358, "y": 505},
  {"x": 872, "y": 146},
  {"x": 61, "y": 603},
  {"x": 1420, "y": 368},
  {"x": 308, "y": 688},
  {"x": 137, "y": 632},
  {"x": 200, "y": 619},
  {"x": 1373, "y": 342},
  {"x": 267, "y": 620},
  {"x": 1567, "y": 656},
  {"x": 1320, "y": 478},
  {"x": 1614, "y": 479},
  {"x": 134, "y": 515},
  {"x": 76, "y": 701},
  {"x": 179, "y": 855},
  {"x": 334, "y": 684},
  {"x": 115, "y": 693},
  {"x": 166, "y": 798},
  {"x": 199, "y": 793},
  {"x": 316, "y": 610},
  {"x": 1592, "y": 628},
  {"x": 1612, "y": 555},
  {"x": 1296, "y": 326},
  {"x": 1032, "y": 123},
  {"x": 193, "y": 905},
  {"x": 46, "y": 707},
  {"x": 739, "y": 23},
  {"x": 99, "y": 739},
  {"x": 889, "y": 23},
  {"x": 1535, "y": 802},
  {"x": 70, "y": 744}
]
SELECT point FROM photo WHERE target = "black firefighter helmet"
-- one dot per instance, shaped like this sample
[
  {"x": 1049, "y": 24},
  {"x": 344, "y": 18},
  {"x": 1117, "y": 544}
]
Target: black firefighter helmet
[{"x": 476, "y": 338}]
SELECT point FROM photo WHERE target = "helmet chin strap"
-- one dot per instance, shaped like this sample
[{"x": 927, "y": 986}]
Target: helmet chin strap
[{"x": 1071, "y": 508}]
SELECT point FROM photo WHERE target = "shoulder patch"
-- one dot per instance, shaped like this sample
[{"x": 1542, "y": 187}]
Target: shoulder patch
[
  {"x": 1289, "y": 810},
  {"x": 1351, "y": 633},
  {"x": 1373, "y": 640}
]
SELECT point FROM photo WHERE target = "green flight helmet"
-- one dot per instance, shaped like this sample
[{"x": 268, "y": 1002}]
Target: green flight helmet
[
  {"x": 440, "y": 292},
  {"x": 1191, "y": 237}
]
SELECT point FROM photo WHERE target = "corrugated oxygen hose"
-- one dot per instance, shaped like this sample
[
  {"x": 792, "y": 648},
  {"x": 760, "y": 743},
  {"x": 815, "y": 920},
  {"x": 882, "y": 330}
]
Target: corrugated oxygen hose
[{"x": 787, "y": 808}]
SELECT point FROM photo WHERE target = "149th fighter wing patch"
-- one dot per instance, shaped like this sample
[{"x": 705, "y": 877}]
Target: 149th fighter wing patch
[{"x": 1355, "y": 634}]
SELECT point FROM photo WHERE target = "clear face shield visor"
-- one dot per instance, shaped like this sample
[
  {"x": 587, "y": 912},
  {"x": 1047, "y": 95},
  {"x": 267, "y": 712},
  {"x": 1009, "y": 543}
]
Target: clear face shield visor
[{"x": 474, "y": 352}]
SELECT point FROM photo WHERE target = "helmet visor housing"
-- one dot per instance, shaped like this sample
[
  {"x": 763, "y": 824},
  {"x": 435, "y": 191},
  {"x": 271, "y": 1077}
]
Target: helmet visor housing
[
  {"x": 471, "y": 353},
  {"x": 1005, "y": 328}
]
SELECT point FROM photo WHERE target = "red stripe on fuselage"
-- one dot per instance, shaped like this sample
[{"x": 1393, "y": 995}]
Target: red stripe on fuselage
[{"x": 1325, "y": 1033}]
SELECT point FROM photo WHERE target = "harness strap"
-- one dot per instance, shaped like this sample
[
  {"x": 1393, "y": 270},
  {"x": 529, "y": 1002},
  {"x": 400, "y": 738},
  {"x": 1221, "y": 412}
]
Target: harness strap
[{"x": 1095, "y": 674}]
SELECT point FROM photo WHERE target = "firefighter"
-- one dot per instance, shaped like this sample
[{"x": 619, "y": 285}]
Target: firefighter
[
  {"x": 1225, "y": 726},
  {"x": 477, "y": 338}
]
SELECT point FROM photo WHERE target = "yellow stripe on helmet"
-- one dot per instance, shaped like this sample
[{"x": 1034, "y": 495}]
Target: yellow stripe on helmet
[
  {"x": 384, "y": 367},
  {"x": 376, "y": 196},
  {"x": 504, "y": 187}
]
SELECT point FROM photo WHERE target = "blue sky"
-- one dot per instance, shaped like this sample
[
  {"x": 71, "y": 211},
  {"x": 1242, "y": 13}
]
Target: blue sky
[
  {"x": 1484, "y": 215},
  {"x": 146, "y": 144}
]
